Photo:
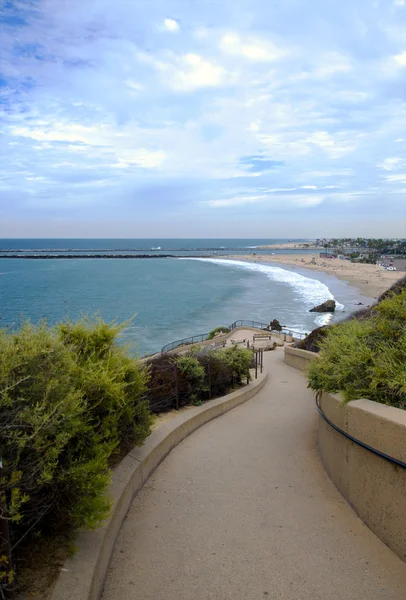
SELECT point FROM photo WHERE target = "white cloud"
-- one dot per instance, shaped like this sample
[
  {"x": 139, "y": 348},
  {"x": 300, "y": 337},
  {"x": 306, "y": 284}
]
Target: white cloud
[
  {"x": 171, "y": 25},
  {"x": 237, "y": 201},
  {"x": 285, "y": 145},
  {"x": 339, "y": 172},
  {"x": 254, "y": 50},
  {"x": 330, "y": 64},
  {"x": 400, "y": 3},
  {"x": 189, "y": 72},
  {"x": 134, "y": 85},
  {"x": 401, "y": 59},
  {"x": 274, "y": 190},
  {"x": 309, "y": 200},
  {"x": 195, "y": 72},
  {"x": 395, "y": 178},
  {"x": 389, "y": 164},
  {"x": 100, "y": 141},
  {"x": 146, "y": 159},
  {"x": 58, "y": 132},
  {"x": 287, "y": 199}
]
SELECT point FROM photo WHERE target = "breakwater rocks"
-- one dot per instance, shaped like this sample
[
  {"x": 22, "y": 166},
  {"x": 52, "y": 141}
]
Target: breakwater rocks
[
  {"x": 215, "y": 249},
  {"x": 75, "y": 256}
]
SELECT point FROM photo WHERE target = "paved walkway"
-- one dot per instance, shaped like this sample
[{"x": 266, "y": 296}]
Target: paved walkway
[{"x": 242, "y": 509}]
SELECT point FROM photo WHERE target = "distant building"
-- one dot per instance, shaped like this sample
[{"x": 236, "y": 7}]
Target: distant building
[{"x": 327, "y": 255}]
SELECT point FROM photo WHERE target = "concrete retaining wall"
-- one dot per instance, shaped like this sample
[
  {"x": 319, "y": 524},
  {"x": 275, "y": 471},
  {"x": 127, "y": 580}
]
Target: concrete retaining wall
[
  {"x": 375, "y": 488},
  {"x": 83, "y": 575},
  {"x": 298, "y": 359}
]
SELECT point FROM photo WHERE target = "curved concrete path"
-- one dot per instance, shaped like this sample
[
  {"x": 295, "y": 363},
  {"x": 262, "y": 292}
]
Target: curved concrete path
[{"x": 242, "y": 509}]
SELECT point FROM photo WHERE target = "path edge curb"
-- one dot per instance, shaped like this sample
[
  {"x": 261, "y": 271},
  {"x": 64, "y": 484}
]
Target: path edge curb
[{"x": 82, "y": 576}]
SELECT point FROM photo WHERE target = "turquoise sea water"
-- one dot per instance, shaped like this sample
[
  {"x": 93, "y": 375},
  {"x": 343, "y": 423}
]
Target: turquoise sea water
[
  {"x": 168, "y": 298},
  {"x": 155, "y": 245}
]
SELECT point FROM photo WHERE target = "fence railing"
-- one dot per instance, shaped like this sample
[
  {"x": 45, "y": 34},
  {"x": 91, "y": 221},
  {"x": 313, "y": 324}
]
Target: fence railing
[
  {"x": 299, "y": 335},
  {"x": 203, "y": 337},
  {"x": 246, "y": 323}
]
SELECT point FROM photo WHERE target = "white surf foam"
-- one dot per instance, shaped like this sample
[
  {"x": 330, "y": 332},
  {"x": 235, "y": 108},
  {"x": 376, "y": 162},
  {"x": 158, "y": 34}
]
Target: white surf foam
[{"x": 311, "y": 291}]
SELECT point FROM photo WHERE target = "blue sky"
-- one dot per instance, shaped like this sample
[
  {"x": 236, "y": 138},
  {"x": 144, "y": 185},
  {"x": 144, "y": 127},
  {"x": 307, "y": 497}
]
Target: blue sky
[{"x": 239, "y": 118}]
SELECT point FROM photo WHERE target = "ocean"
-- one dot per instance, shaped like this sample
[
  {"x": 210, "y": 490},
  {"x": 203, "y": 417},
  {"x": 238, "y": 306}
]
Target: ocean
[
  {"x": 142, "y": 245},
  {"x": 165, "y": 298}
]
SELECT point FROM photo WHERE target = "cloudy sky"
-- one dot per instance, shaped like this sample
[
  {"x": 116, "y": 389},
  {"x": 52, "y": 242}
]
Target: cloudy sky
[{"x": 235, "y": 118}]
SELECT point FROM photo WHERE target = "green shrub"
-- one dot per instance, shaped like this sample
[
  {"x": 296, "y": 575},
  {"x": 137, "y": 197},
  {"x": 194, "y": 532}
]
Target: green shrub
[
  {"x": 217, "y": 330},
  {"x": 68, "y": 397},
  {"x": 218, "y": 375},
  {"x": 161, "y": 391},
  {"x": 196, "y": 376},
  {"x": 366, "y": 358},
  {"x": 111, "y": 380},
  {"x": 191, "y": 376},
  {"x": 238, "y": 361}
]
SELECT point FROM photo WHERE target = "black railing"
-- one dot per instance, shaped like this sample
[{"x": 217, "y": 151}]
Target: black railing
[
  {"x": 299, "y": 335},
  {"x": 245, "y": 323},
  {"x": 203, "y": 337}
]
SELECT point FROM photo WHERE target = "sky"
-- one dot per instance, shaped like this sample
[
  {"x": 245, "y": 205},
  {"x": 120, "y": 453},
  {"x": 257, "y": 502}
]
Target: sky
[{"x": 201, "y": 118}]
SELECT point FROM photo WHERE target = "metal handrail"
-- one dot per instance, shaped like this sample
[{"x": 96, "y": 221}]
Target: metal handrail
[
  {"x": 247, "y": 323},
  {"x": 294, "y": 333},
  {"x": 202, "y": 337},
  {"x": 386, "y": 457}
]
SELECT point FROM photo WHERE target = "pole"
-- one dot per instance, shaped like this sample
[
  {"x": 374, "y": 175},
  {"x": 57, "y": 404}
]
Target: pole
[{"x": 256, "y": 364}]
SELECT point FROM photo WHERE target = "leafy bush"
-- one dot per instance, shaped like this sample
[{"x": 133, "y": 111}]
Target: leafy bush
[
  {"x": 217, "y": 330},
  {"x": 192, "y": 374},
  {"x": 199, "y": 375},
  {"x": 218, "y": 375},
  {"x": 161, "y": 393},
  {"x": 312, "y": 340},
  {"x": 238, "y": 361},
  {"x": 366, "y": 358},
  {"x": 111, "y": 380},
  {"x": 69, "y": 396}
]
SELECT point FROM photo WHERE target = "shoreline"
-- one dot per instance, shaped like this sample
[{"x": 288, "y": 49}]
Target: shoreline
[
  {"x": 370, "y": 280},
  {"x": 291, "y": 246}
]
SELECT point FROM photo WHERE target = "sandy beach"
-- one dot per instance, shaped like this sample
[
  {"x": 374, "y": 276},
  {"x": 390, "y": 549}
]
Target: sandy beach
[{"x": 371, "y": 280}]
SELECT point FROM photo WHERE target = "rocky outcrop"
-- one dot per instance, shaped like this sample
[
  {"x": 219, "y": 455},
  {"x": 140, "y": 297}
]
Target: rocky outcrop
[
  {"x": 328, "y": 306},
  {"x": 312, "y": 341},
  {"x": 275, "y": 325}
]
